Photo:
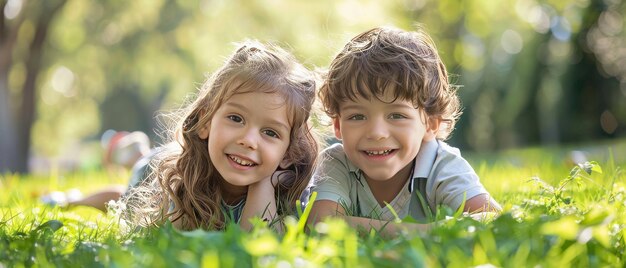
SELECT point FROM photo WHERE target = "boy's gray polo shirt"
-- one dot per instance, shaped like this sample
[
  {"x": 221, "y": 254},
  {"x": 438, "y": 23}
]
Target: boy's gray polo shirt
[{"x": 441, "y": 176}]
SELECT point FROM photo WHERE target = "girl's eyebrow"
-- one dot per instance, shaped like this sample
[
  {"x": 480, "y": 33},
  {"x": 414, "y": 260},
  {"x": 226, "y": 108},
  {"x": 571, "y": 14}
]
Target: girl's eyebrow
[
  {"x": 237, "y": 105},
  {"x": 280, "y": 125}
]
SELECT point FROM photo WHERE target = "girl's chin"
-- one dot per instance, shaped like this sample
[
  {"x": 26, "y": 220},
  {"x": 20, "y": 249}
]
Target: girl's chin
[{"x": 236, "y": 183}]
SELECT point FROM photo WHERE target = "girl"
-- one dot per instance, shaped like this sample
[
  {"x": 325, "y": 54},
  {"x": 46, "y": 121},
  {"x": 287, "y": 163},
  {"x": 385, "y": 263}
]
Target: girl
[{"x": 221, "y": 161}]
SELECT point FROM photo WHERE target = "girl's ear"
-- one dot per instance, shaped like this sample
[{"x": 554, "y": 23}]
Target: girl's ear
[
  {"x": 203, "y": 133},
  {"x": 337, "y": 127}
]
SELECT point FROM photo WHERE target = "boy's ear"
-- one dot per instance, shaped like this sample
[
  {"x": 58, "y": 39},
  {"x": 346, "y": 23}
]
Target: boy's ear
[
  {"x": 203, "y": 132},
  {"x": 432, "y": 127},
  {"x": 337, "y": 127}
]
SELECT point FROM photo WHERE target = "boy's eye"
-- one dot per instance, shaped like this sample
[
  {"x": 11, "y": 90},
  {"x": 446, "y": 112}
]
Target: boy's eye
[
  {"x": 235, "y": 118},
  {"x": 271, "y": 133},
  {"x": 356, "y": 117},
  {"x": 397, "y": 116}
]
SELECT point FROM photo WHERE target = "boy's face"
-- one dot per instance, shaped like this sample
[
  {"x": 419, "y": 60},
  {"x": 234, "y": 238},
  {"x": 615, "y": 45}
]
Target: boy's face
[{"x": 382, "y": 138}]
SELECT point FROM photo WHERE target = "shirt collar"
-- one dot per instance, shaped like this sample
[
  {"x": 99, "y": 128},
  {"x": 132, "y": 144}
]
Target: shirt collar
[{"x": 424, "y": 161}]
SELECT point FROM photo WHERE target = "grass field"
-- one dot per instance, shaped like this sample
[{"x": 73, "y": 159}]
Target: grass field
[{"x": 556, "y": 214}]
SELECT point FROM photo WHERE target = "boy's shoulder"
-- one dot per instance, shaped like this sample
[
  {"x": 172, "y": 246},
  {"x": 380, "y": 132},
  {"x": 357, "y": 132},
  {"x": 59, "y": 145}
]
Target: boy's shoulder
[
  {"x": 334, "y": 150},
  {"x": 334, "y": 158},
  {"x": 445, "y": 148},
  {"x": 449, "y": 160},
  {"x": 335, "y": 153}
]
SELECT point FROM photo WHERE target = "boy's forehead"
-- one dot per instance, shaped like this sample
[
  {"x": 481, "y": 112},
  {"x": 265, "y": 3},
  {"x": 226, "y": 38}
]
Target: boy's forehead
[
  {"x": 366, "y": 101},
  {"x": 386, "y": 96}
]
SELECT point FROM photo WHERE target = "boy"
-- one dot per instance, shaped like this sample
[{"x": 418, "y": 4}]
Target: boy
[{"x": 388, "y": 95}]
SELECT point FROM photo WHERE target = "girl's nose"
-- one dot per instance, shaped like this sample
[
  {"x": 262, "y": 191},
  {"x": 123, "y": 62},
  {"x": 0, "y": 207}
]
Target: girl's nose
[{"x": 249, "y": 139}]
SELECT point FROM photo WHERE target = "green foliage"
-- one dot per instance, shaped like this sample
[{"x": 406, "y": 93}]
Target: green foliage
[
  {"x": 529, "y": 69},
  {"x": 575, "y": 219}
]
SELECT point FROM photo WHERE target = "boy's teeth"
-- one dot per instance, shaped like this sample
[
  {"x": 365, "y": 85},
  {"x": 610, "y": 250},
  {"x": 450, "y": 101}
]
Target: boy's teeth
[
  {"x": 241, "y": 161},
  {"x": 385, "y": 152}
]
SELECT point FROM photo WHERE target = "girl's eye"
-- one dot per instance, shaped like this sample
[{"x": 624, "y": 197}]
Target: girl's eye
[
  {"x": 235, "y": 118},
  {"x": 271, "y": 133},
  {"x": 356, "y": 117},
  {"x": 397, "y": 116}
]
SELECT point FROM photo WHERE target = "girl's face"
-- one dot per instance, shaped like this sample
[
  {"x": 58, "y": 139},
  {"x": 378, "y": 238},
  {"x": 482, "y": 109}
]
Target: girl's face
[{"x": 249, "y": 136}]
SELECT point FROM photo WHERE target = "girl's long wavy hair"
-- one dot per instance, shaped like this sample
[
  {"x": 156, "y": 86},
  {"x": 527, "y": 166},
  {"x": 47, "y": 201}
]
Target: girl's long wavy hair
[{"x": 184, "y": 185}]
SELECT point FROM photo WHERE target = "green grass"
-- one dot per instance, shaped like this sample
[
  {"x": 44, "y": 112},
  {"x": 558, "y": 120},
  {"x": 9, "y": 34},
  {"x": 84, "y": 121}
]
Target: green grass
[{"x": 556, "y": 215}]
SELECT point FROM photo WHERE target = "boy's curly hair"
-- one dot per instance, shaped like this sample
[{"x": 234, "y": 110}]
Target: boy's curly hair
[{"x": 405, "y": 62}]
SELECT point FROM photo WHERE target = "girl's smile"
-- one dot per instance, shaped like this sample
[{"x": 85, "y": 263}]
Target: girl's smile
[{"x": 240, "y": 162}]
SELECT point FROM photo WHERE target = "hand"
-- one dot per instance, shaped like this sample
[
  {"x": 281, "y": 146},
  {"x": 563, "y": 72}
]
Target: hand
[
  {"x": 260, "y": 199},
  {"x": 484, "y": 216},
  {"x": 281, "y": 176}
]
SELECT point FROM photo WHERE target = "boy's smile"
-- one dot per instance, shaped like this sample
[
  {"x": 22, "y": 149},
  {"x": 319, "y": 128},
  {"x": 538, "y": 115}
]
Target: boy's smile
[{"x": 382, "y": 137}]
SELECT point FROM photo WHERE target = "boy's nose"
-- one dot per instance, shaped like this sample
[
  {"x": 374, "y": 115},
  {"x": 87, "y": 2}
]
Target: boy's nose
[
  {"x": 249, "y": 139},
  {"x": 377, "y": 130}
]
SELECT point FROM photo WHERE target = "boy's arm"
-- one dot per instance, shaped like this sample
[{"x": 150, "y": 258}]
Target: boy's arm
[
  {"x": 325, "y": 208},
  {"x": 482, "y": 203}
]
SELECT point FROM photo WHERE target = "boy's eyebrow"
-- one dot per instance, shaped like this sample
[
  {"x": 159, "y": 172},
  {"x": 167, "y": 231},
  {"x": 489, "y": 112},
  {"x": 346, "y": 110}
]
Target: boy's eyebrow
[
  {"x": 350, "y": 106},
  {"x": 391, "y": 105},
  {"x": 401, "y": 105},
  {"x": 271, "y": 121}
]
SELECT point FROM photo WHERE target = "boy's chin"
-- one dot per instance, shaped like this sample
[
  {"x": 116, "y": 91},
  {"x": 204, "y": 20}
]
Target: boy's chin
[{"x": 378, "y": 176}]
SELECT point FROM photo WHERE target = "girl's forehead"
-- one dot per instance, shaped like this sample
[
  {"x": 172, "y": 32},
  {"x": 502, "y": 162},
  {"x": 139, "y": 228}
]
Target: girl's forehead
[{"x": 259, "y": 99}]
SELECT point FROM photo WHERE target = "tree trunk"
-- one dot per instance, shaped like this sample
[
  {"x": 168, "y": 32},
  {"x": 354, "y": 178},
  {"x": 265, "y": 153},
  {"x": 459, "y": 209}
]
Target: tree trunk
[
  {"x": 8, "y": 138},
  {"x": 15, "y": 140},
  {"x": 7, "y": 131}
]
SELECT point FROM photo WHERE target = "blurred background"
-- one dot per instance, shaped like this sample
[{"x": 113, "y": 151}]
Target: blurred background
[{"x": 533, "y": 72}]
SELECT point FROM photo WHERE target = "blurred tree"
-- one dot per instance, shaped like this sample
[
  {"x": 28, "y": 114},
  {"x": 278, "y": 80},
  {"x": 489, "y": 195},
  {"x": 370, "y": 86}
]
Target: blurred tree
[
  {"x": 17, "y": 116},
  {"x": 532, "y": 71}
]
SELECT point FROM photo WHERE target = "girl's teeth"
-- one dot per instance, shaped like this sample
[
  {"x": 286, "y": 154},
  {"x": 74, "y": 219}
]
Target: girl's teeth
[
  {"x": 241, "y": 161},
  {"x": 385, "y": 152}
]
